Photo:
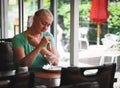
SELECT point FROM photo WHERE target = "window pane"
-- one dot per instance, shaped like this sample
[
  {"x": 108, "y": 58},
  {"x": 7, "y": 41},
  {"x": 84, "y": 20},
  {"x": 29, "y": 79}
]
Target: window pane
[
  {"x": 63, "y": 30},
  {"x": 12, "y": 18}
]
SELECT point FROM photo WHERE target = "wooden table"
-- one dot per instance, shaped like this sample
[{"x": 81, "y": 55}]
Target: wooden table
[{"x": 48, "y": 78}]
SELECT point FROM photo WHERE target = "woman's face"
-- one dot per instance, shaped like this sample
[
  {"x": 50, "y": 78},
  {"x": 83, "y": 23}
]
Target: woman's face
[{"x": 42, "y": 23}]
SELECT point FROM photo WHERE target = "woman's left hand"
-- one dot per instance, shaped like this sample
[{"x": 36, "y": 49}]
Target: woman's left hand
[
  {"x": 55, "y": 62},
  {"x": 52, "y": 59}
]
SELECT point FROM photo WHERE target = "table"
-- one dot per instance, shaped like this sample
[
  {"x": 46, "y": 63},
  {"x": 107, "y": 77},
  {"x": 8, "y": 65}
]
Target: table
[
  {"x": 92, "y": 51},
  {"x": 101, "y": 51},
  {"x": 114, "y": 54},
  {"x": 47, "y": 78},
  {"x": 5, "y": 78}
]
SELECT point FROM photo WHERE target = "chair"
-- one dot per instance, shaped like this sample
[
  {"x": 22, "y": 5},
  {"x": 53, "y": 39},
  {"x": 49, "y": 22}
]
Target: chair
[
  {"x": 111, "y": 36},
  {"x": 8, "y": 75},
  {"x": 23, "y": 80},
  {"x": 5, "y": 78},
  {"x": 6, "y": 63},
  {"x": 83, "y": 31},
  {"x": 6, "y": 55},
  {"x": 88, "y": 77},
  {"x": 110, "y": 42},
  {"x": 4, "y": 83}
]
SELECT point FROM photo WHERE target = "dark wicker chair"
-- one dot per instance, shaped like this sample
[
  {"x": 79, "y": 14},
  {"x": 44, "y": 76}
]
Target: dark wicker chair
[
  {"x": 101, "y": 77},
  {"x": 23, "y": 80},
  {"x": 6, "y": 62},
  {"x": 7, "y": 66},
  {"x": 6, "y": 55}
]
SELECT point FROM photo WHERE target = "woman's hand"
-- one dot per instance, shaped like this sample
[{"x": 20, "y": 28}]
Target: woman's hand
[
  {"x": 52, "y": 59},
  {"x": 55, "y": 62},
  {"x": 38, "y": 41},
  {"x": 44, "y": 41}
]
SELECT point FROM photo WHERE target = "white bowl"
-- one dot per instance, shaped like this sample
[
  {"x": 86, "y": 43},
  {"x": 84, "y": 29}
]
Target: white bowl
[
  {"x": 8, "y": 73},
  {"x": 23, "y": 69}
]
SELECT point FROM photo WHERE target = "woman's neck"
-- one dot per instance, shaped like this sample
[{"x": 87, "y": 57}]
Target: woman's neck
[{"x": 32, "y": 33}]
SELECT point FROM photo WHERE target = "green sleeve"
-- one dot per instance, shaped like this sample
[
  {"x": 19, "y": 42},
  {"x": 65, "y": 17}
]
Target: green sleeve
[{"x": 17, "y": 41}]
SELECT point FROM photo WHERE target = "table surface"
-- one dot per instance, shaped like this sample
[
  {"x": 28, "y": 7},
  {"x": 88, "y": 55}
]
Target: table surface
[
  {"x": 48, "y": 74},
  {"x": 98, "y": 51}
]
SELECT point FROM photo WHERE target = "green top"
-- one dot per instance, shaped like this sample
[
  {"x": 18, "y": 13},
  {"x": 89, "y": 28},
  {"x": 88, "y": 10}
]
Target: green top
[{"x": 22, "y": 41}]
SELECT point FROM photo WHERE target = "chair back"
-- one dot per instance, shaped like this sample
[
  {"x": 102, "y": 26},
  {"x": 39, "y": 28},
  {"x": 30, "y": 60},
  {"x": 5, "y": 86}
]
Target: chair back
[
  {"x": 83, "y": 30},
  {"x": 8, "y": 76},
  {"x": 88, "y": 77},
  {"x": 5, "y": 83},
  {"x": 111, "y": 41},
  {"x": 6, "y": 55},
  {"x": 23, "y": 80},
  {"x": 112, "y": 37},
  {"x": 83, "y": 37}
]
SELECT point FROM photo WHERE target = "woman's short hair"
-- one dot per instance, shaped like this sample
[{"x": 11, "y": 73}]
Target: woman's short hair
[{"x": 42, "y": 12}]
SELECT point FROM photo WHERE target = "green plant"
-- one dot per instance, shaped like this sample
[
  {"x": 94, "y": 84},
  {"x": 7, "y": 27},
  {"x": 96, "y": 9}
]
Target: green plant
[
  {"x": 66, "y": 14},
  {"x": 114, "y": 18}
]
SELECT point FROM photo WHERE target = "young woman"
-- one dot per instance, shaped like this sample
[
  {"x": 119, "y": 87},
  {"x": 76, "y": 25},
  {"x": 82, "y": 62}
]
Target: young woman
[{"x": 35, "y": 47}]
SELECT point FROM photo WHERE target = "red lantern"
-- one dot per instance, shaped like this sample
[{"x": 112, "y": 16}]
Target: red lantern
[{"x": 99, "y": 14}]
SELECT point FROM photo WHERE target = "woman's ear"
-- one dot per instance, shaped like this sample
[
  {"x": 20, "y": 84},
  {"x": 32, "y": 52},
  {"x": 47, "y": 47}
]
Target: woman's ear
[{"x": 29, "y": 21}]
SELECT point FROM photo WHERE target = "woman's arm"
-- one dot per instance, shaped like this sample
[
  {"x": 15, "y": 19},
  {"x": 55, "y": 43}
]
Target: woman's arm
[
  {"x": 50, "y": 53},
  {"x": 50, "y": 50},
  {"x": 29, "y": 59}
]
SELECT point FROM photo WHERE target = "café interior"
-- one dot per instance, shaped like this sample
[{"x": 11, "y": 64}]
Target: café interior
[{"x": 84, "y": 65}]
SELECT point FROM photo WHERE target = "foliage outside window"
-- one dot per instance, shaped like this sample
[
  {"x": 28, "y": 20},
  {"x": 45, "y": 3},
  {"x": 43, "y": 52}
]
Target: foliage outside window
[{"x": 114, "y": 18}]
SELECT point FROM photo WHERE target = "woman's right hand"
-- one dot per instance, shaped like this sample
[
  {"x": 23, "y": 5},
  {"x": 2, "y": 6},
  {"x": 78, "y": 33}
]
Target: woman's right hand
[{"x": 44, "y": 41}]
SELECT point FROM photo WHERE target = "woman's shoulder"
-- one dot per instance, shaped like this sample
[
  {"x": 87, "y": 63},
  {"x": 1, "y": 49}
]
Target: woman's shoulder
[
  {"x": 20, "y": 35},
  {"x": 19, "y": 40}
]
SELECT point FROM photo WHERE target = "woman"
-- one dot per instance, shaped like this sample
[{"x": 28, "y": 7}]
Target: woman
[{"x": 34, "y": 47}]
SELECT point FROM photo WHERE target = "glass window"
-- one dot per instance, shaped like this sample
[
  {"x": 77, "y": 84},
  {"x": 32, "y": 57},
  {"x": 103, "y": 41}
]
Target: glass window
[
  {"x": 63, "y": 32},
  {"x": 30, "y": 6}
]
